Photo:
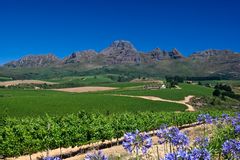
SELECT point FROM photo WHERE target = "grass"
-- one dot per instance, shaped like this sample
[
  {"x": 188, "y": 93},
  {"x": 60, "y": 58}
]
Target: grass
[
  {"x": 123, "y": 85},
  {"x": 2, "y": 79},
  {"x": 84, "y": 79},
  {"x": 172, "y": 94},
  {"x": 99, "y": 80},
  {"x": 39, "y": 102}
]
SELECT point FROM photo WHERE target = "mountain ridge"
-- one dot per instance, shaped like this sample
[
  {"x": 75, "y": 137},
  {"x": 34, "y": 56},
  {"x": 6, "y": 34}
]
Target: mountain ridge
[
  {"x": 119, "y": 52},
  {"x": 121, "y": 56}
]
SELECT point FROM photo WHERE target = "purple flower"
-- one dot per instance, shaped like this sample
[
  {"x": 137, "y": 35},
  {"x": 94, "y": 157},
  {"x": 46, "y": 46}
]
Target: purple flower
[
  {"x": 199, "y": 154},
  {"x": 162, "y": 134},
  {"x": 170, "y": 156},
  {"x": 231, "y": 148},
  {"x": 182, "y": 154},
  {"x": 146, "y": 142},
  {"x": 201, "y": 142},
  {"x": 96, "y": 156},
  {"x": 51, "y": 158},
  {"x": 237, "y": 129},
  {"x": 180, "y": 140},
  {"x": 137, "y": 141},
  {"x": 195, "y": 154},
  {"x": 128, "y": 141},
  {"x": 172, "y": 135},
  {"x": 206, "y": 118},
  {"x": 225, "y": 116},
  {"x": 227, "y": 119}
]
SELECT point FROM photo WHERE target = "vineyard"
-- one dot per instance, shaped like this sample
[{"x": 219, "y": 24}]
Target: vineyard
[
  {"x": 29, "y": 135},
  {"x": 172, "y": 94},
  {"x": 29, "y": 102},
  {"x": 20, "y": 103}
]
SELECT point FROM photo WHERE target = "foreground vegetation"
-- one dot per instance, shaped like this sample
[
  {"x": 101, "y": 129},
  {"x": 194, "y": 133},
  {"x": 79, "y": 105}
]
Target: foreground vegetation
[
  {"x": 224, "y": 142},
  {"x": 29, "y": 135}
]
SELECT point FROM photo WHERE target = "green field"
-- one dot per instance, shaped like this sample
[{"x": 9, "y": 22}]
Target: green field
[
  {"x": 172, "y": 94},
  {"x": 20, "y": 102},
  {"x": 31, "y": 103},
  {"x": 84, "y": 79},
  {"x": 2, "y": 79}
]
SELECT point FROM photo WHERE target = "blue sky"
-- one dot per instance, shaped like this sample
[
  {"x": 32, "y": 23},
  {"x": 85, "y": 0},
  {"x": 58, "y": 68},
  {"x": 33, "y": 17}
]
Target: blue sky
[{"x": 64, "y": 26}]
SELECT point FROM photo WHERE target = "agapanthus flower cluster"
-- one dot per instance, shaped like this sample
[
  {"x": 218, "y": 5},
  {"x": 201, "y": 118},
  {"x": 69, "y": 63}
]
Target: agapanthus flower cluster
[
  {"x": 172, "y": 135},
  {"x": 96, "y": 156},
  {"x": 201, "y": 142},
  {"x": 233, "y": 121},
  {"x": 237, "y": 129},
  {"x": 194, "y": 154},
  {"x": 205, "y": 118},
  {"x": 162, "y": 134},
  {"x": 52, "y": 158},
  {"x": 180, "y": 154},
  {"x": 199, "y": 154},
  {"x": 226, "y": 119},
  {"x": 179, "y": 141},
  {"x": 136, "y": 141},
  {"x": 231, "y": 149},
  {"x": 236, "y": 123}
]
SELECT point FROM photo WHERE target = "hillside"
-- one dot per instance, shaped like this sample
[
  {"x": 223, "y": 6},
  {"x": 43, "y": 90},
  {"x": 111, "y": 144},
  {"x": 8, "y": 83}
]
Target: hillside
[{"x": 121, "y": 57}]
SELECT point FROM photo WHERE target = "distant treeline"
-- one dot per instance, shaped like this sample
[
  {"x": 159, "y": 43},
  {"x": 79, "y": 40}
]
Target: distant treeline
[
  {"x": 222, "y": 90},
  {"x": 181, "y": 79}
]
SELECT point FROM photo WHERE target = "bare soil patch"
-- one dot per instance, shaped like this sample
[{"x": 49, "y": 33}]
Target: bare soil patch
[
  {"x": 17, "y": 82},
  {"x": 85, "y": 89}
]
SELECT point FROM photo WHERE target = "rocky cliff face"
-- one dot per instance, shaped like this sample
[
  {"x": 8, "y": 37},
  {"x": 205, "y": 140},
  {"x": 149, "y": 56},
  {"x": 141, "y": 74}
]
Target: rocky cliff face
[
  {"x": 121, "y": 52},
  {"x": 175, "y": 54},
  {"x": 35, "y": 61},
  {"x": 87, "y": 56},
  {"x": 206, "y": 54},
  {"x": 158, "y": 55}
]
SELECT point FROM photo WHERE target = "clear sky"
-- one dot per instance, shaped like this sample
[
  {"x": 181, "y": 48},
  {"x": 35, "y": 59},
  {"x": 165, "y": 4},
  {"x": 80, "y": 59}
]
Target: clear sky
[{"x": 64, "y": 26}]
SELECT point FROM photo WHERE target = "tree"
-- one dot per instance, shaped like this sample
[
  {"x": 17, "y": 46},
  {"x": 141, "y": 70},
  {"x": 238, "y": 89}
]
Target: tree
[
  {"x": 216, "y": 93},
  {"x": 173, "y": 84}
]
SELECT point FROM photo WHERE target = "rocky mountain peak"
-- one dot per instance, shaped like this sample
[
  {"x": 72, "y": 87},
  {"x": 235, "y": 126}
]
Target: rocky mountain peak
[
  {"x": 81, "y": 56},
  {"x": 120, "y": 52},
  {"x": 157, "y": 54},
  {"x": 35, "y": 61},
  {"x": 123, "y": 45},
  {"x": 175, "y": 54}
]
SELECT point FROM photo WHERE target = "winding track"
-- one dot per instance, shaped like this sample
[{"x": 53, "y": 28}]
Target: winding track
[{"x": 152, "y": 98}]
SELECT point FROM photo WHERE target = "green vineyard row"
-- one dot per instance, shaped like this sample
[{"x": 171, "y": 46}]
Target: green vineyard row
[{"x": 21, "y": 136}]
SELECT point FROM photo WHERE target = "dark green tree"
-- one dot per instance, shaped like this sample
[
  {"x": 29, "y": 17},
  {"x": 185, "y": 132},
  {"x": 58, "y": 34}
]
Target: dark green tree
[{"x": 216, "y": 93}]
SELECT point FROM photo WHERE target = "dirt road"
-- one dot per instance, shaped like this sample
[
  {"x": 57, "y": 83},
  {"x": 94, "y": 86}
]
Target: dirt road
[
  {"x": 85, "y": 89},
  {"x": 152, "y": 98},
  {"x": 17, "y": 82}
]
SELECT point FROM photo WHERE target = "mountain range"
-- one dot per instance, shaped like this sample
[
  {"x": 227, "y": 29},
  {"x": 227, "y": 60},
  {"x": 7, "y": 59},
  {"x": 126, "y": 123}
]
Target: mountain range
[{"x": 121, "y": 56}]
